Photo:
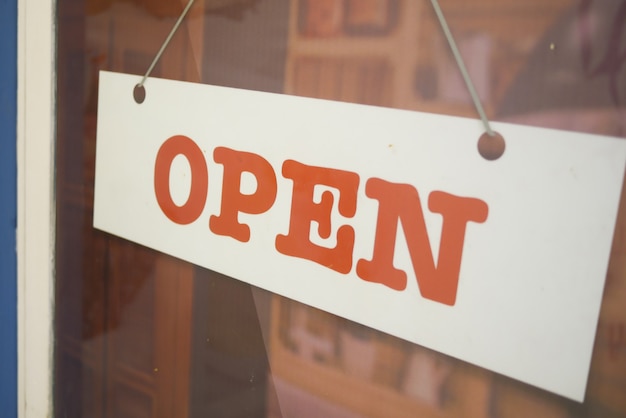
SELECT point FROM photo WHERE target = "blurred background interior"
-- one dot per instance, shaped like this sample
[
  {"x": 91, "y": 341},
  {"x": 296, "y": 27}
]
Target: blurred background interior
[{"x": 141, "y": 334}]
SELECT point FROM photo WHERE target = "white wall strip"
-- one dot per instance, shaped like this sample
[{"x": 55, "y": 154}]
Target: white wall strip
[{"x": 35, "y": 233}]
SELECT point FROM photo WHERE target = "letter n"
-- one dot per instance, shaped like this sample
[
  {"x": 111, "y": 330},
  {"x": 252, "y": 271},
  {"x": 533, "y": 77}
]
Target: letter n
[{"x": 400, "y": 202}]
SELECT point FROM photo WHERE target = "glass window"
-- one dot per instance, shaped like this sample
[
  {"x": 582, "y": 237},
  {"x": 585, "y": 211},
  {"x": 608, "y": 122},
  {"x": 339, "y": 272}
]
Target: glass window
[{"x": 142, "y": 334}]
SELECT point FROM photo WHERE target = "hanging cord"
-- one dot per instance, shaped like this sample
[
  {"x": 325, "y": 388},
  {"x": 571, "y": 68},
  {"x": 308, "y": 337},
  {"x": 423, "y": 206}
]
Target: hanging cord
[
  {"x": 167, "y": 41},
  {"x": 462, "y": 68}
]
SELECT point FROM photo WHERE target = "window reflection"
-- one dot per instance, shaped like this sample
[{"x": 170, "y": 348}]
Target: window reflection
[{"x": 140, "y": 334}]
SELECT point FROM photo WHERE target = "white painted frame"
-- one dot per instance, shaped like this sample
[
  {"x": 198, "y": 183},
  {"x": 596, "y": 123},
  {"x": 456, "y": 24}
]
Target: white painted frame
[{"x": 35, "y": 205}]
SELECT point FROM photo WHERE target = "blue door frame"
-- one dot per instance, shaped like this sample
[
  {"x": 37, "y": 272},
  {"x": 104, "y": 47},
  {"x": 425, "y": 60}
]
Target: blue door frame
[{"x": 8, "y": 211}]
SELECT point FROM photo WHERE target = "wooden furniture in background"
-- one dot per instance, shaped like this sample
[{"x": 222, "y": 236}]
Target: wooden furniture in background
[
  {"x": 125, "y": 312},
  {"x": 404, "y": 62}
]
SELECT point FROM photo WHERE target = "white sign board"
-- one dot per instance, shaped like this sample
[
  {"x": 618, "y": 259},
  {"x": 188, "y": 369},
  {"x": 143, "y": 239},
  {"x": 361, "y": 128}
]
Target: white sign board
[{"x": 389, "y": 218}]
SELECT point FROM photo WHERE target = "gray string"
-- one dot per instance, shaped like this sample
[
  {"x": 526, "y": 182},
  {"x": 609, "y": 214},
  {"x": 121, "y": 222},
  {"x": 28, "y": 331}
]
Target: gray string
[
  {"x": 462, "y": 68},
  {"x": 167, "y": 41},
  {"x": 444, "y": 26}
]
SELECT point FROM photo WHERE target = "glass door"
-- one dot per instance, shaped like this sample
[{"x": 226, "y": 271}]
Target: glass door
[{"x": 142, "y": 334}]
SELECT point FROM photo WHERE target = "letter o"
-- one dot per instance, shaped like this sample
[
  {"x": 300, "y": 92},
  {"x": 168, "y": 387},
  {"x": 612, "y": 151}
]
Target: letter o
[{"x": 193, "y": 207}]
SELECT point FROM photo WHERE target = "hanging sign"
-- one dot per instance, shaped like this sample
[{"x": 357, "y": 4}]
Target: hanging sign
[{"x": 388, "y": 218}]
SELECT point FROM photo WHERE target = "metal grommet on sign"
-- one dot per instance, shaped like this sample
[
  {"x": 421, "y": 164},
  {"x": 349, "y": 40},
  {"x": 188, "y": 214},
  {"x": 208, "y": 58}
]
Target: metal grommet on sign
[
  {"x": 491, "y": 147},
  {"x": 139, "y": 93}
]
